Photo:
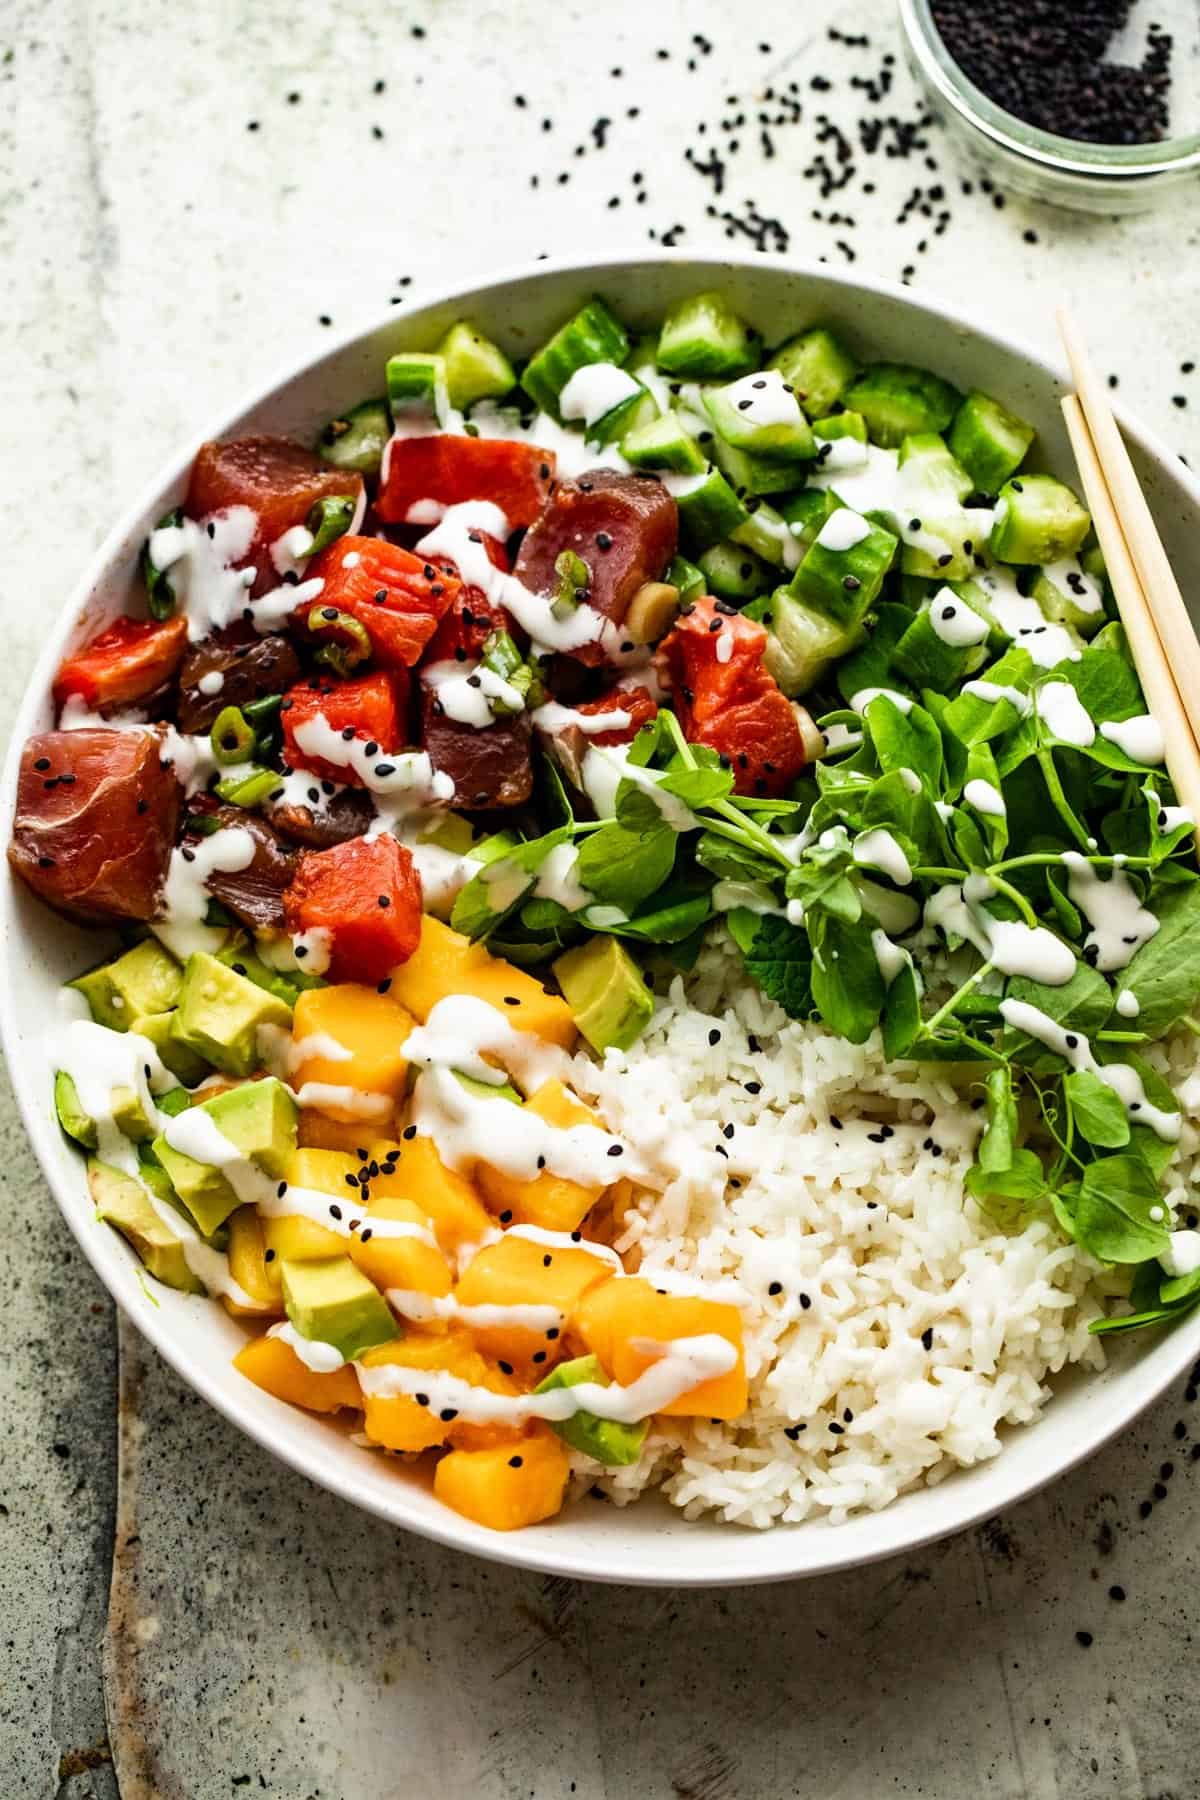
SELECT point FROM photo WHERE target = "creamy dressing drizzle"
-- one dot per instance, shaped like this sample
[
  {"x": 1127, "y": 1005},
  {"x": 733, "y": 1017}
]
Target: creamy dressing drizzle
[
  {"x": 878, "y": 849},
  {"x": 464, "y": 691},
  {"x": 764, "y": 399},
  {"x": 419, "y": 1307},
  {"x": 321, "y": 1358},
  {"x": 1140, "y": 738},
  {"x": 859, "y": 702},
  {"x": 988, "y": 690},
  {"x": 1076, "y": 1049},
  {"x": 208, "y": 589},
  {"x": 842, "y": 530},
  {"x": 1014, "y": 948},
  {"x": 469, "y": 1128},
  {"x": 461, "y": 1031},
  {"x": 954, "y": 621},
  {"x": 185, "y": 896},
  {"x": 554, "y": 718},
  {"x": 874, "y": 482},
  {"x": 606, "y": 766},
  {"x": 1064, "y": 715},
  {"x": 558, "y": 879},
  {"x": 406, "y": 778},
  {"x": 1120, "y": 923},
  {"x": 985, "y": 798},
  {"x": 594, "y": 390}
]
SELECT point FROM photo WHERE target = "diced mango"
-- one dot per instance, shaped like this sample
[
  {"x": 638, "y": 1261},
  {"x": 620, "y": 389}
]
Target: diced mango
[
  {"x": 519, "y": 1272},
  {"x": 274, "y": 1366},
  {"x": 445, "y": 962},
  {"x": 399, "y": 1421},
  {"x": 414, "y": 1169},
  {"x": 249, "y": 1267},
  {"x": 611, "y": 1319},
  {"x": 297, "y": 1238},
  {"x": 509, "y": 1485},
  {"x": 398, "y": 1262},
  {"x": 315, "y": 1130},
  {"x": 548, "y": 1200},
  {"x": 372, "y": 1026}
]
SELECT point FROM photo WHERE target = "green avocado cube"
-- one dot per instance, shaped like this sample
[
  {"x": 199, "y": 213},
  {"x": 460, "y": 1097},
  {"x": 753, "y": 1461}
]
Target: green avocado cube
[
  {"x": 259, "y": 1120},
  {"x": 607, "y": 1440},
  {"x": 332, "y": 1302},
  {"x": 145, "y": 979},
  {"x": 122, "y": 1202},
  {"x": 286, "y": 984},
  {"x": 174, "y": 1055},
  {"x": 75, "y": 1122},
  {"x": 604, "y": 988},
  {"x": 220, "y": 1014}
]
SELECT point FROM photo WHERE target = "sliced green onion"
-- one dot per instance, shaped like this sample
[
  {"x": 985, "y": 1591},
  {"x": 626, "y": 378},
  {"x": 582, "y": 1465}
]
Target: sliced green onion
[
  {"x": 573, "y": 578},
  {"x": 247, "y": 790},
  {"x": 160, "y": 595},
  {"x": 344, "y": 642},
  {"x": 328, "y": 519},
  {"x": 500, "y": 654},
  {"x": 263, "y": 709},
  {"x": 232, "y": 736}
]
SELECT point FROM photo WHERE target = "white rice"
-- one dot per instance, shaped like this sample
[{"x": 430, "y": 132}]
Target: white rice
[{"x": 874, "y": 1232}]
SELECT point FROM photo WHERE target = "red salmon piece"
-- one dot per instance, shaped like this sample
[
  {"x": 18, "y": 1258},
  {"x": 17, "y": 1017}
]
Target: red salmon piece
[
  {"x": 369, "y": 707},
  {"x": 278, "y": 479},
  {"x": 127, "y": 662},
  {"x": 467, "y": 623},
  {"x": 638, "y": 702},
  {"x": 624, "y": 527},
  {"x": 449, "y": 469},
  {"x": 367, "y": 895},
  {"x": 397, "y": 597},
  {"x": 95, "y": 822}
]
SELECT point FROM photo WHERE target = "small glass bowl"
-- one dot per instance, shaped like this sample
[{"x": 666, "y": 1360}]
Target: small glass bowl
[{"x": 1097, "y": 178}]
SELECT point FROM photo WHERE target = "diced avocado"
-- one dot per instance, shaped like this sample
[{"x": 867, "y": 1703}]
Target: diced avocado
[
  {"x": 733, "y": 411},
  {"x": 801, "y": 643},
  {"x": 356, "y": 439},
  {"x": 286, "y": 984},
  {"x": 416, "y": 384},
  {"x": 259, "y": 1119},
  {"x": 1038, "y": 520},
  {"x": 75, "y": 1122},
  {"x": 220, "y": 1014},
  {"x": 708, "y": 510},
  {"x": 604, "y": 988},
  {"x": 734, "y": 573},
  {"x": 843, "y": 568},
  {"x": 594, "y": 335},
  {"x": 751, "y": 471},
  {"x": 702, "y": 339},
  {"x": 818, "y": 366},
  {"x": 663, "y": 443},
  {"x": 130, "y": 1116},
  {"x": 990, "y": 442},
  {"x": 841, "y": 425},
  {"x": 476, "y": 369},
  {"x": 173, "y": 1054},
  {"x": 898, "y": 400},
  {"x": 1069, "y": 596},
  {"x": 607, "y": 1440},
  {"x": 332, "y": 1302},
  {"x": 145, "y": 979},
  {"x": 120, "y": 1201},
  {"x": 685, "y": 576},
  {"x": 488, "y": 1090}
]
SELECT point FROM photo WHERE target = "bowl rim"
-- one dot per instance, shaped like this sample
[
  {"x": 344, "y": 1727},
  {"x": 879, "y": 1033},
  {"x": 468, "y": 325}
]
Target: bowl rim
[{"x": 446, "y": 1528}]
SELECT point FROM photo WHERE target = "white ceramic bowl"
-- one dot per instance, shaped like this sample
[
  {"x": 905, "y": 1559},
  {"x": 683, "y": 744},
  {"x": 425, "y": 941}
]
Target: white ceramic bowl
[{"x": 647, "y": 1543}]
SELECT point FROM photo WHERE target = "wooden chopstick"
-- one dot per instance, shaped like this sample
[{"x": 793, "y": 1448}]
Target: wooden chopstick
[
  {"x": 1150, "y": 658},
  {"x": 1158, "y": 581}
]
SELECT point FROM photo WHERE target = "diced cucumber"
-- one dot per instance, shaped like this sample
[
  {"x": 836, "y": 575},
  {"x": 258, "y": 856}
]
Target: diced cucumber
[
  {"x": 752, "y": 473},
  {"x": 806, "y": 512},
  {"x": 734, "y": 573},
  {"x": 1068, "y": 596},
  {"x": 703, "y": 338},
  {"x": 975, "y": 596},
  {"x": 818, "y": 366},
  {"x": 663, "y": 443},
  {"x": 476, "y": 369},
  {"x": 927, "y": 660},
  {"x": 709, "y": 510},
  {"x": 928, "y": 460},
  {"x": 869, "y": 663},
  {"x": 606, "y": 401},
  {"x": 801, "y": 644},
  {"x": 769, "y": 535},
  {"x": 1038, "y": 520},
  {"x": 841, "y": 425},
  {"x": 990, "y": 442},
  {"x": 355, "y": 439},
  {"x": 416, "y": 383},
  {"x": 898, "y": 400},
  {"x": 946, "y": 534},
  {"x": 762, "y": 416},
  {"x": 844, "y": 567},
  {"x": 594, "y": 335},
  {"x": 685, "y": 576}
]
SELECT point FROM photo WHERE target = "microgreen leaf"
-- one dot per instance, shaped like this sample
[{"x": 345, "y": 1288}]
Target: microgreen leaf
[
  {"x": 1099, "y": 1115},
  {"x": 1112, "y": 1215}
]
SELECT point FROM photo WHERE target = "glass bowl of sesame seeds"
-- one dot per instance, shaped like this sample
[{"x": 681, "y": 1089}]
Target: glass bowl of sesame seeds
[{"x": 1094, "y": 106}]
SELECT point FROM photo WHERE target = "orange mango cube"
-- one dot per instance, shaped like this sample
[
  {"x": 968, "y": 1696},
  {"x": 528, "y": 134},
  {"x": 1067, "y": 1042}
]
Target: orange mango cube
[{"x": 611, "y": 1317}]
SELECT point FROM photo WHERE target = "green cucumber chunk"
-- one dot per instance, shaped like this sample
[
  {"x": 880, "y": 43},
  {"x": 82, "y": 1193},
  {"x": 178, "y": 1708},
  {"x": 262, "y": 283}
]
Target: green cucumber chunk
[
  {"x": 990, "y": 442},
  {"x": 416, "y": 384},
  {"x": 818, "y": 365},
  {"x": 709, "y": 510},
  {"x": 760, "y": 414},
  {"x": 841, "y": 425},
  {"x": 703, "y": 339},
  {"x": 802, "y": 644},
  {"x": 926, "y": 659},
  {"x": 476, "y": 368},
  {"x": 734, "y": 573},
  {"x": 898, "y": 400},
  {"x": 594, "y": 335},
  {"x": 663, "y": 443},
  {"x": 843, "y": 569},
  {"x": 685, "y": 576},
  {"x": 750, "y": 472},
  {"x": 1069, "y": 596},
  {"x": 355, "y": 439},
  {"x": 1038, "y": 520}
]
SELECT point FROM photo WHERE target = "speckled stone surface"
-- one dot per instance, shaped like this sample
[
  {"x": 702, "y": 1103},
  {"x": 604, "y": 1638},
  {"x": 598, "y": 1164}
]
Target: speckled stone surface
[{"x": 184, "y": 195}]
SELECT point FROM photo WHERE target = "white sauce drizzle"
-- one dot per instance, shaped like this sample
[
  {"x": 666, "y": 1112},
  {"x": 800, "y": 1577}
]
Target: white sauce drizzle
[
  {"x": 1014, "y": 948},
  {"x": 764, "y": 399},
  {"x": 988, "y": 690},
  {"x": 859, "y": 702},
  {"x": 955, "y": 622},
  {"x": 1140, "y": 738},
  {"x": 1120, "y": 923},
  {"x": 554, "y": 718},
  {"x": 407, "y": 778},
  {"x": 1076, "y": 1049},
  {"x": 1064, "y": 714},
  {"x": 464, "y": 690},
  {"x": 842, "y": 530},
  {"x": 985, "y": 798},
  {"x": 321, "y": 1358},
  {"x": 185, "y": 896},
  {"x": 594, "y": 390},
  {"x": 878, "y": 849},
  {"x": 208, "y": 589}
]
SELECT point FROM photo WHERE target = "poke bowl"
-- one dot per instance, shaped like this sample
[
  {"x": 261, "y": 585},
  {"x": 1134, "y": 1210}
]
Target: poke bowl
[{"x": 683, "y": 1054}]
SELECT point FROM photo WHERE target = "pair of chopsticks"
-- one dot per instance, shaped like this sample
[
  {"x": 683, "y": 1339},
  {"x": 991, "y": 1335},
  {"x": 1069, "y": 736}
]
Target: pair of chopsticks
[{"x": 1161, "y": 636}]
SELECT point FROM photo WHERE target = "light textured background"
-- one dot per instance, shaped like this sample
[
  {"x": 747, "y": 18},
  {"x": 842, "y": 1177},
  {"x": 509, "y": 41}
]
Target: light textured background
[{"x": 157, "y": 255}]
